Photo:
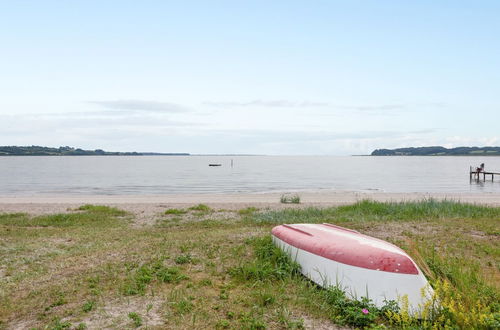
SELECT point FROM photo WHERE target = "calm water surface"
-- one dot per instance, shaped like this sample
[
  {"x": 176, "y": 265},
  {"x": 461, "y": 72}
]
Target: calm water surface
[{"x": 250, "y": 174}]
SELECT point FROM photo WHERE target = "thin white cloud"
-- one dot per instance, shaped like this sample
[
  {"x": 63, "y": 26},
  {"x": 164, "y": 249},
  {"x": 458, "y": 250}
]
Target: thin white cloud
[
  {"x": 370, "y": 108},
  {"x": 53, "y": 123},
  {"x": 379, "y": 108},
  {"x": 141, "y": 105},
  {"x": 425, "y": 131},
  {"x": 268, "y": 103},
  {"x": 431, "y": 104},
  {"x": 305, "y": 104},
  {"x": 297, "y": 135},
  {"x": 282, "y": 141},
  {"x": 365, "y": 109}
]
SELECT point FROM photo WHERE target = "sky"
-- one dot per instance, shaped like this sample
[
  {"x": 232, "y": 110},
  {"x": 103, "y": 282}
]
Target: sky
[{"x": 250, "y": 77}]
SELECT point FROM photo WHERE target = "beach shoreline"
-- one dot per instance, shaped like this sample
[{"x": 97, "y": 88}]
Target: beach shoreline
[{"x": 43, "y": 204}]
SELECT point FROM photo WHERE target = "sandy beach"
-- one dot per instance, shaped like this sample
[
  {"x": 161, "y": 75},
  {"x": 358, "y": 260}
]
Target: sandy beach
[{"x": 150, "y": 204}]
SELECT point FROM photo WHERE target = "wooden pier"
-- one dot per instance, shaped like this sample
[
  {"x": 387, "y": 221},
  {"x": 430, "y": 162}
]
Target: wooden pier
[{"x": 474, "y": 174}]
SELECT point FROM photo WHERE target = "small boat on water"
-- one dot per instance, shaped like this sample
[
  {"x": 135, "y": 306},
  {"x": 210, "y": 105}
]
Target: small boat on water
[
  {"x": 214, "y": 164},
  {"x": 361, "y": 265}
]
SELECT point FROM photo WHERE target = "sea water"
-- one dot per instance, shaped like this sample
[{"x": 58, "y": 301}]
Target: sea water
[{"x": 138, "y": 175}]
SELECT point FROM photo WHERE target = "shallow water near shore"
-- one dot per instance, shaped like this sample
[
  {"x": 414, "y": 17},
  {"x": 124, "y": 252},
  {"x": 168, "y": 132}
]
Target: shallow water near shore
[{"x": 138, "y": 175}]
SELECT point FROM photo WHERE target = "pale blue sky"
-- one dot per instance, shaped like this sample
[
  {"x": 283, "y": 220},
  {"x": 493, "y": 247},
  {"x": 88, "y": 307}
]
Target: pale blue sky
[{"x": 265, "y": 77}]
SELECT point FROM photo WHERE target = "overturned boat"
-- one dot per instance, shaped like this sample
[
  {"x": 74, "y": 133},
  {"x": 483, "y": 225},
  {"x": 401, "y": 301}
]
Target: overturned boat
[{"x": 360, "y": 265}]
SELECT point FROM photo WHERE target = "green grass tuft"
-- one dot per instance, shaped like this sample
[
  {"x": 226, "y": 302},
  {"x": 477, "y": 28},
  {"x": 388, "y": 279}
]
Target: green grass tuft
[
  {"x": 88, "y": 306},
  {"x": 290, "y": 199},
  {"x": 270, "y": 263},
  {"x": 425, "y": 209},
  {"x": 140, "y": 277},
  {"x": 13, "y": 218},
  {"x": 93, "y": 216},
  {"x": 102, "y": 209},
  {"x": 183, "y": 306},
  {"x": 183, "y": 259},
  {"x": 176, "y": 211},
  {"x": 136, "y": 319},
  {"x": 201, "y": 208},
  {"x": 368, "y": 210},
  {"x": 248, "y": 211},
  {"x": 57, "y": 324}
]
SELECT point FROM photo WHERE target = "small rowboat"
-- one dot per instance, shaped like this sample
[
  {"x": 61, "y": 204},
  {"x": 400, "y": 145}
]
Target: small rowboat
[
  {"x": 361, "y": 265},
  {"x": 214, "y": 164}
]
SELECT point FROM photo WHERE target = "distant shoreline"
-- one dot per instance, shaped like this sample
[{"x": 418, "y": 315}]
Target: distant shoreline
[
  {"x": 139, "y": 154},
  {"x": 71, "y": 151},
  {"x": 438, "y": 151}
]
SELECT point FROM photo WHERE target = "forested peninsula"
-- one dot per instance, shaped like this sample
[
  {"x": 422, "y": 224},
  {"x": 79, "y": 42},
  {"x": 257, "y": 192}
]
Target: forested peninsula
[
  {"x": 439, "y": 151},
  {"x": 70, "y": 151}
]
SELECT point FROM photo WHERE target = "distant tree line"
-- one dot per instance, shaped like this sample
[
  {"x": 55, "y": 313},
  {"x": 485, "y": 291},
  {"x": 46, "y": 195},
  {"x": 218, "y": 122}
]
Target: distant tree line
[
  {"x": 69, "y": 151},
  {"x": 439, "y": 151}
]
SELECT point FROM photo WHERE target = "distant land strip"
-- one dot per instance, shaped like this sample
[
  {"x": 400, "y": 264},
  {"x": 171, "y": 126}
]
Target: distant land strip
[
  {"x": 70, "y": 151},
  {"x": 438, "y": 151}
]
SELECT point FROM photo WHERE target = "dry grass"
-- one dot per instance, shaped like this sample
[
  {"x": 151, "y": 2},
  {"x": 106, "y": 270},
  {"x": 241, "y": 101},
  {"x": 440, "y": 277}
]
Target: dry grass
[{"x": 94, "y": 266}]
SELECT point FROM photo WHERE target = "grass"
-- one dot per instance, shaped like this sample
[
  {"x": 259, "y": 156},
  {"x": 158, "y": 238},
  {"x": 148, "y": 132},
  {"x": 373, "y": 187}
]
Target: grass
[
  {"x": 369, "y": 211},
  {"x": 200, "y": 208},
  {"x": 270, "y": 264},
  {"x": 290, "y": 199},
  {"x": 248, "y": 211},
  {"x": 102, "y": 209},
  {"x": 176, "y": 211},
  {"x": 93, "y": 216},
  {"x": 93, "y": 268},
  {"x": 136, "y": 319},
  {"x": 88, "y": 306},
  {"x": 183, "y": 259}
]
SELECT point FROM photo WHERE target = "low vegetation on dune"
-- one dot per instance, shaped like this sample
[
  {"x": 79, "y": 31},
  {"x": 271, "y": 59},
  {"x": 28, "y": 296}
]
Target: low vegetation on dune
[
  {"x": 199, "y": 267},
  {"x": 290, "y": 199}
]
